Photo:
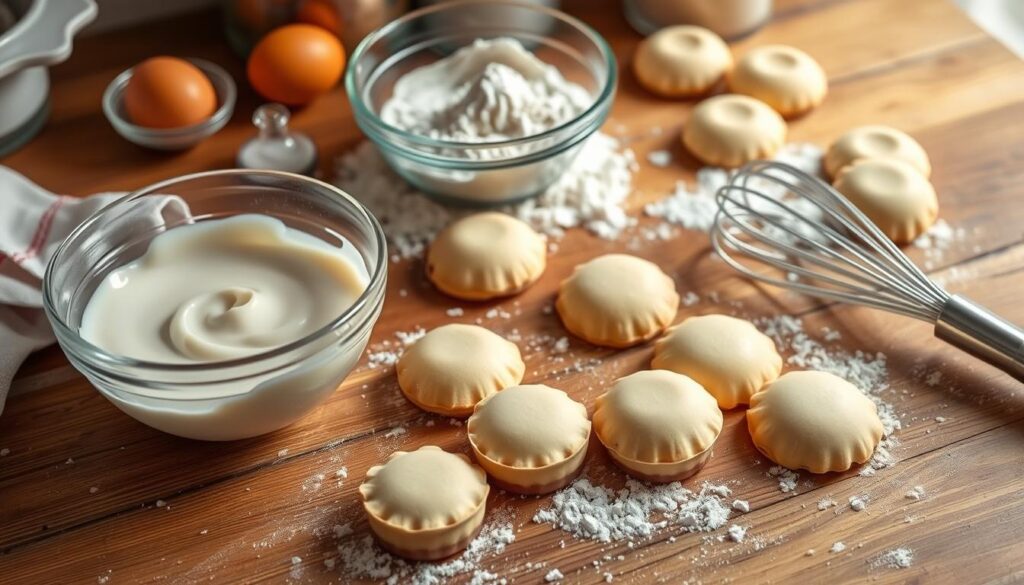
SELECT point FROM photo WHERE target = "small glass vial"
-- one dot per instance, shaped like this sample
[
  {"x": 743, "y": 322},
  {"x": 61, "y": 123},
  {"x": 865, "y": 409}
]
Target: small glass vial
[{"x": 276, "y": 147}]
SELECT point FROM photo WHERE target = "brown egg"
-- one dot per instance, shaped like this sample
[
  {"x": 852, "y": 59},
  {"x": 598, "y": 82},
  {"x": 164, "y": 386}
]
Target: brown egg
[
  {"x": 296, "y": 63},
  {"x": 167, "y": 92}
]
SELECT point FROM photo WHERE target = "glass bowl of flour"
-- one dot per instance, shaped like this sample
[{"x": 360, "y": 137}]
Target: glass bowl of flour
[{"x": 481, "y": 102}]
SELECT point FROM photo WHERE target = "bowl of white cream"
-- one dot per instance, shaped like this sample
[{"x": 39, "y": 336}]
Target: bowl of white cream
[
  {"x": 481, "y": 102},
  {"x": 220, "y": 305}
]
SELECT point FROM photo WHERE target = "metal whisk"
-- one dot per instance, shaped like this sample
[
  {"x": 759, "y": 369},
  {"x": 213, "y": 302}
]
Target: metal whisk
[{"x": 777, "y": 216}]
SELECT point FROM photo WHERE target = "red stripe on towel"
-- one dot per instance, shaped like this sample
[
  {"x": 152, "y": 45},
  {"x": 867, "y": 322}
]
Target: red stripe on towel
[{"x": 40, "y": 236}]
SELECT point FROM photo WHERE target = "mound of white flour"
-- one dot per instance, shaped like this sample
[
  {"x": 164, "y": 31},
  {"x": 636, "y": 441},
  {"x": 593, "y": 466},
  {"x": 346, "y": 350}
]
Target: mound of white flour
[{"x": 489, "y": 91}]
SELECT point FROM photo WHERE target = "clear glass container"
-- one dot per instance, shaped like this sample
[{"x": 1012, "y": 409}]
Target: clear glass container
[
  {"x": 730, "y": 19},
  {"x": 480, "y": 173},
  {"x": 230, "y": 399}
]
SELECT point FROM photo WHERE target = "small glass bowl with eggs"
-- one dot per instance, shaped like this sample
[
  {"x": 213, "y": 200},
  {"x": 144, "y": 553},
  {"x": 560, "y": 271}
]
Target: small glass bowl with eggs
[{"x": 167, "y": 103}]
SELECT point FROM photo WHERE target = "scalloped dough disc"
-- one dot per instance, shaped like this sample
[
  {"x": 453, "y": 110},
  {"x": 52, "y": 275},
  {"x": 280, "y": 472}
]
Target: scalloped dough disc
[
  {"x": 786, "y": 78},
  {"x": 451, "y": 368},
  {"x": 658, "y": 425},
  {"x": 729, "y": 357},
  {"x": 617, "y": 300},
  {"x": 730, "y": 130},
  {"x": 896, "y": 196},
  {"x": 681, "y": 61},
  {"x": 876, "y": 142},
  {"x": 486, "y": 255},
  {"x": 531, "y": 439},
  {"x": 815, "y": 421},
  {"x": 425, "y": 504}
]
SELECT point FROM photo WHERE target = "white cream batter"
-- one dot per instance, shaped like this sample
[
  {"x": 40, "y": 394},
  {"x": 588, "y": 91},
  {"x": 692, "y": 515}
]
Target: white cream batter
[{"x": 222, "y": 289}]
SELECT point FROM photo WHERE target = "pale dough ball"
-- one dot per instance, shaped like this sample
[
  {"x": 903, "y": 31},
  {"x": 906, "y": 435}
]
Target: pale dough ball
[
  {"x": 681, "y": 61},
  {"x": 425, "y": 504},
  {"x": 786, "y": 78},
  {"x": 731, "y": 130},
  {"x": 876, "y": 142},
  {"x": 729, "y": 357},
  {"x": 486, "y": 255},
  {"x": 893, "y": 194},
  {"x": 451, "y": 368},
  {"x": 815, "y": 421},
  {"x": 617, "y": 300},
  {"x": 531, "y": 439},
  {"x": 658, "y": 425}
]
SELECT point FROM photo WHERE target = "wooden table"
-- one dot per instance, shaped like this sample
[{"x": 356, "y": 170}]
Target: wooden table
[{"x": 239, "y": 511}]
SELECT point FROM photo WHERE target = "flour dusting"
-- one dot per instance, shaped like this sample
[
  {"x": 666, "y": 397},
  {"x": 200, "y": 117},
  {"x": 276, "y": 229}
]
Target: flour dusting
[
  {"x": 635, "y": 512},
  {"x": 591, "y": 194},
  {"x": 363, "y": 559}
]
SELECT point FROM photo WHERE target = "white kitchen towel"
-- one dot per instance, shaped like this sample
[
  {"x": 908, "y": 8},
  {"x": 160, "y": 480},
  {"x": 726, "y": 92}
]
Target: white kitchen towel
[{"x": 33, "y": 223}]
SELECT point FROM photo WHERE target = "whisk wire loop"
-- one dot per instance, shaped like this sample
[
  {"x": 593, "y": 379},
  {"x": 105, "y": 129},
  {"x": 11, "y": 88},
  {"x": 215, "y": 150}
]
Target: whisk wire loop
[{"x": 779, "y": 216}]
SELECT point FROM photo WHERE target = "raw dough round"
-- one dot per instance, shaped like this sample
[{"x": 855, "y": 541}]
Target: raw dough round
[
  {"x": 786, "y": 78},
  {"x": 451, "y": 368},
  {"x": 658, "y": 425},
  {"x": 531, "y": 439},
  {"x": 617, "y": 300},
  {"x": 815, "y": 421},
  {"x": 730, "y": 130},
  {"x": 425, "y": 504},
  {"x": 897, "y": 197},
  {"x": 729, "y": 357},
  {"x": 681, "y": 61},
  {"x": 486, "y": 255},
  {"x": 876, "y": 142}
]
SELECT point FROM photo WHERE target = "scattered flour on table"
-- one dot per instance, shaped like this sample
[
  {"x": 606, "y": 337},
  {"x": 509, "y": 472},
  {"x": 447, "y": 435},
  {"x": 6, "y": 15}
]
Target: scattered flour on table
[
  {"x": 386, "y": 353},
  {"x": 737, "y": 533},
  {"x": 590, "y": 194},
  {"x": 936, "y": 240},
  {"x": 859, "y": 503},
  {"x": 916, "y": 493},
  {"x": 695, "y": 208},
  {"x": 553, "y": 575},
  {"x": 787, "y": 478},
  {"x": 363, "y": 559},
  {"x": 659, "y": 158},
  {"x": 897, "y": 558},
  {"x": 837, "y": 547},
  {"x": 296, "y": 570},
  {"x": 635, "y": 512}
]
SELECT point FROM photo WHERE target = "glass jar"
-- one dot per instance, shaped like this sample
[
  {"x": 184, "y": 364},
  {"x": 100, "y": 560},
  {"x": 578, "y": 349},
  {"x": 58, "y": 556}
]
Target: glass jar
[{"x": 730, "y": 19}]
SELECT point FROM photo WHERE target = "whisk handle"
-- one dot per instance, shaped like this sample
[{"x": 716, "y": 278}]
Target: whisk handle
[{"x": 985, "y": 335}]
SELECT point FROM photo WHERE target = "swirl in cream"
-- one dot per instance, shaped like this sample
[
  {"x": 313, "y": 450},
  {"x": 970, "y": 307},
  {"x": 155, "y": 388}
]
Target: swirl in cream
[{"x": 222, "y": 289}]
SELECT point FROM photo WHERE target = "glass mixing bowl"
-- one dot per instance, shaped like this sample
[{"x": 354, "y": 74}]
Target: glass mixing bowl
[
  {"x": 478, "y": 173},
  {"x": 236, "y": 398}
]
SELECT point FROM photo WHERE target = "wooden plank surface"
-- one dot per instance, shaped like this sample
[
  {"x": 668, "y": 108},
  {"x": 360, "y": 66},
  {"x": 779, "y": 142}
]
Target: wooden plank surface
[{"x": 241, "y": 511}]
